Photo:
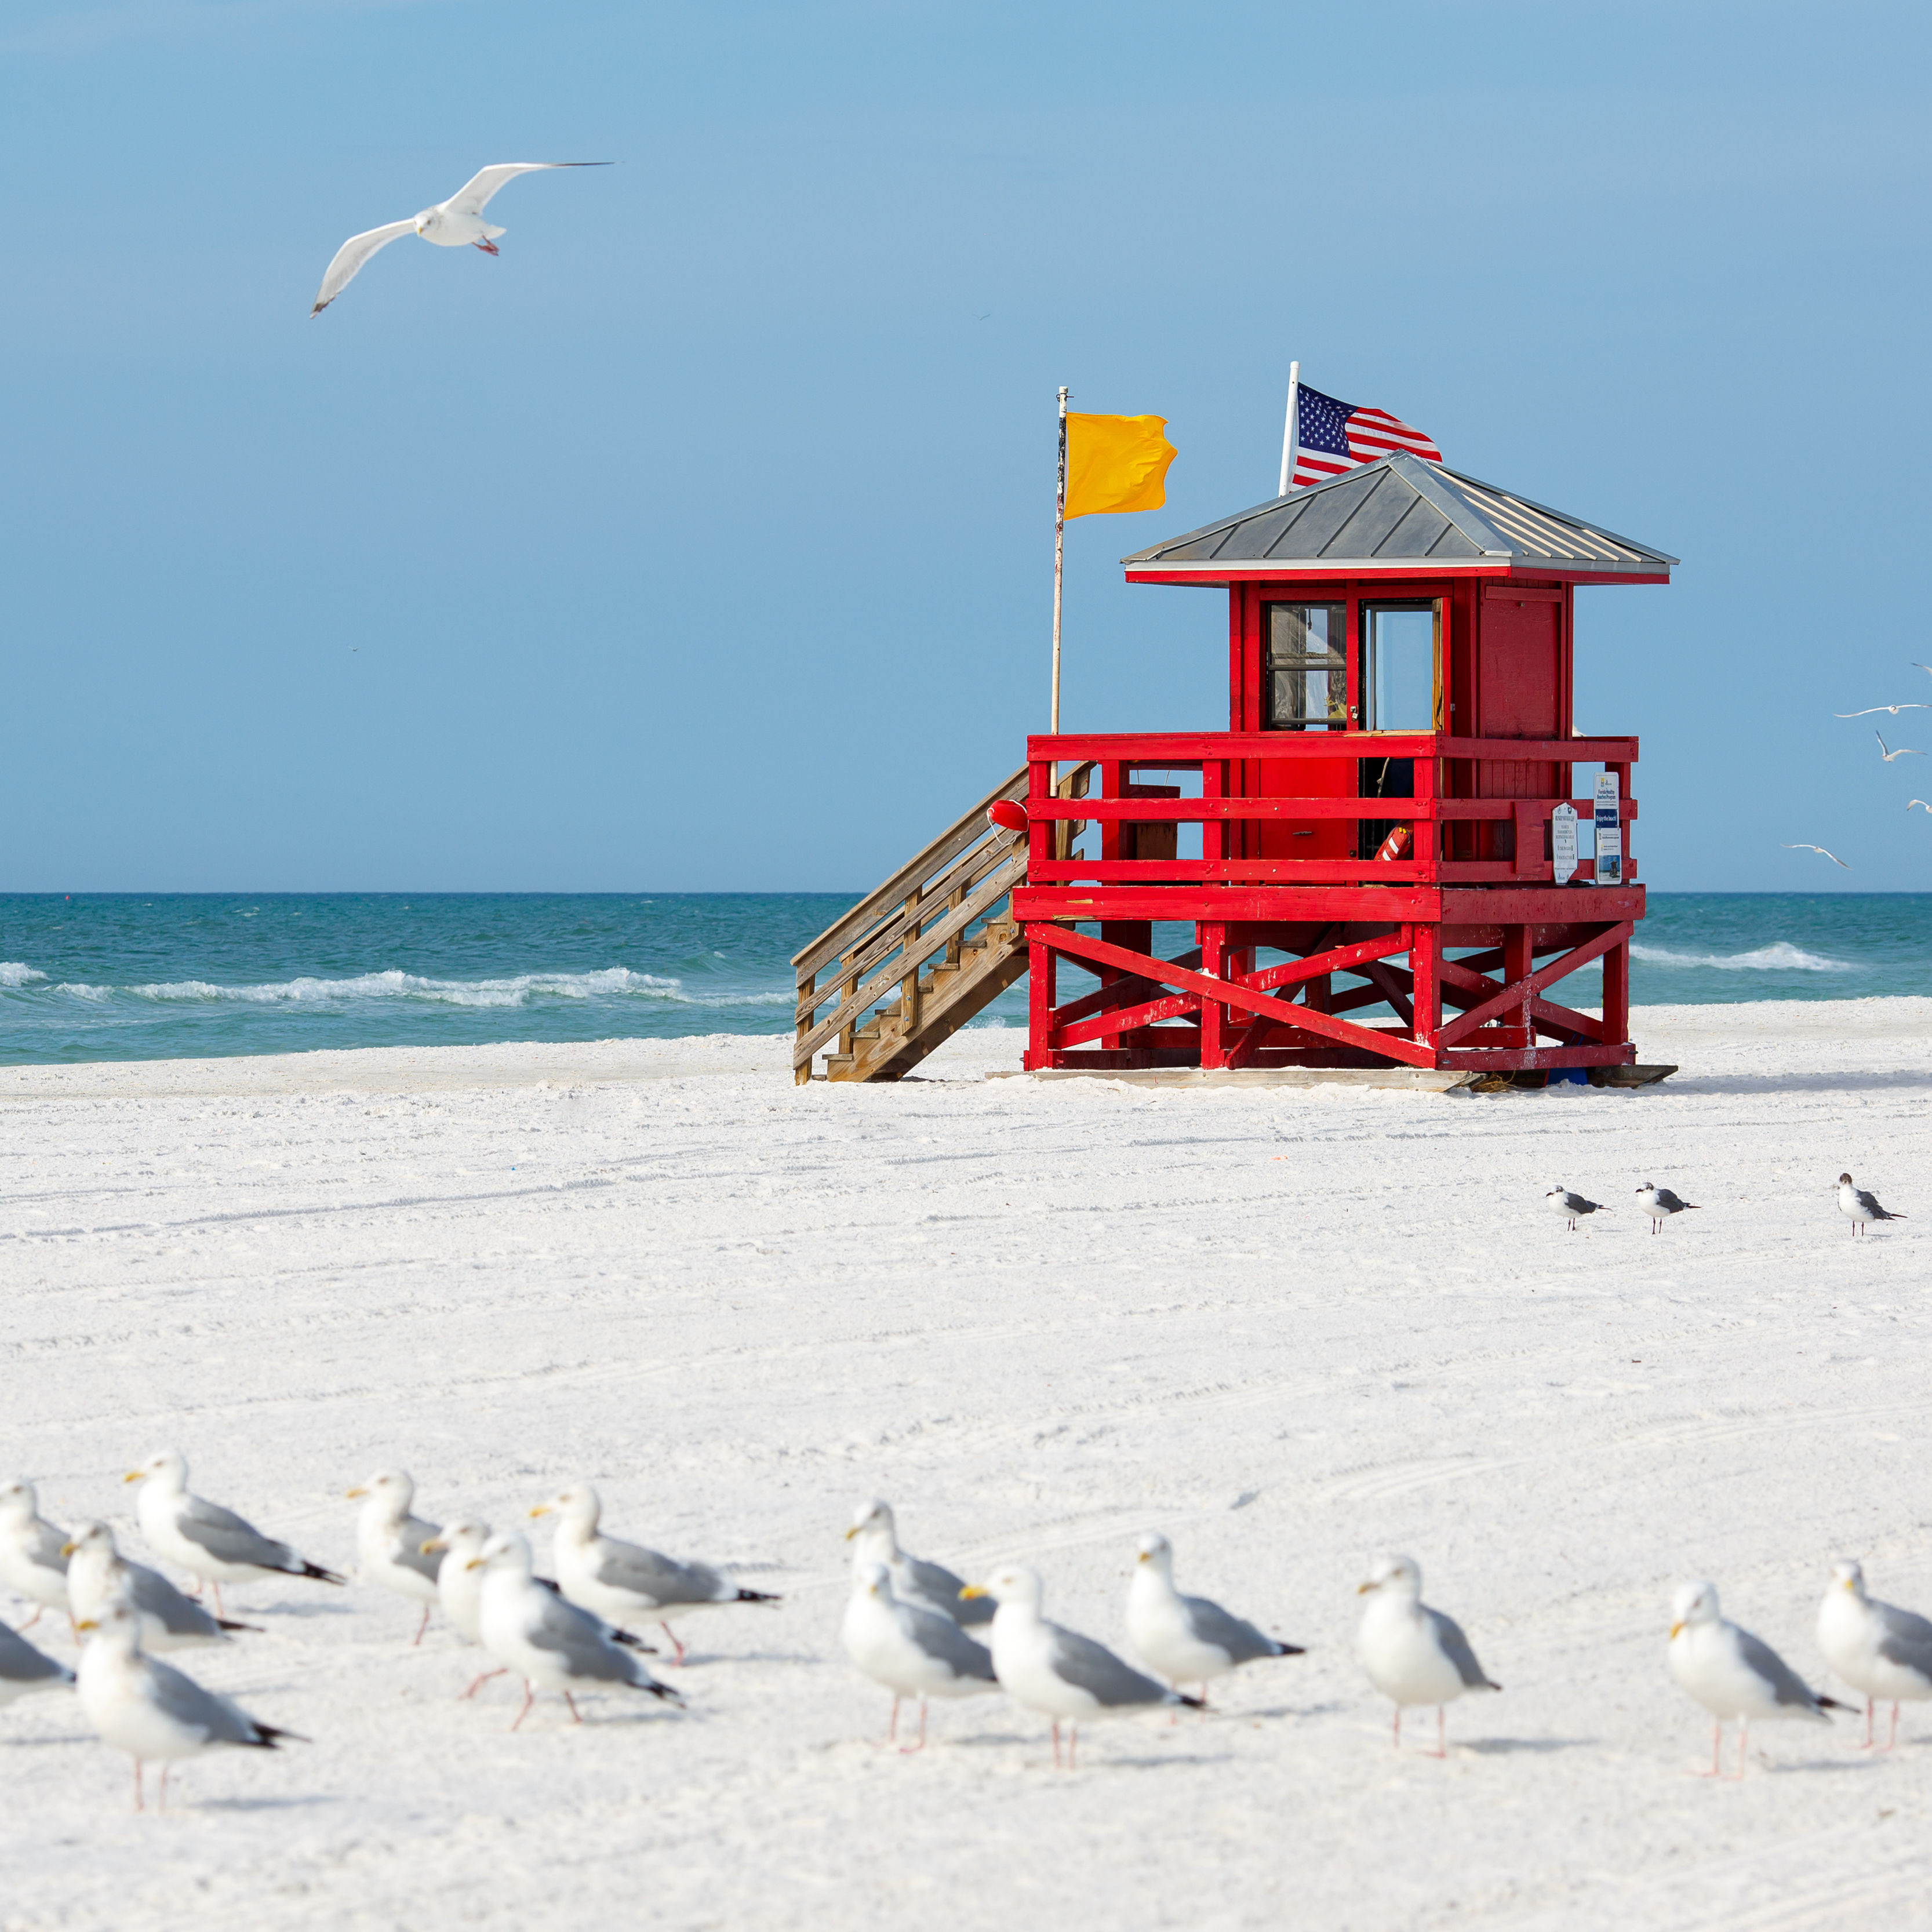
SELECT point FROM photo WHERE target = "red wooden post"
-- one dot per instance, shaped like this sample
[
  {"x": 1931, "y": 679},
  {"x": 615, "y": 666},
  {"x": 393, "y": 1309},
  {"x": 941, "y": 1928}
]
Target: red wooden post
[
  {"x": 1616, "y": 995},
  {"x": 1425, "y": 949},
  {"x": 1214, "y": 1016},
  {"x": 1040, "y": 960},
  {"x": 1517, "y": 960}
]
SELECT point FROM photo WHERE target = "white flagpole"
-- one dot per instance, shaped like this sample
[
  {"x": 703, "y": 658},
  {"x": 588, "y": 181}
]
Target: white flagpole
[
  {"x": 1059, "y": 556},
  {"x": 1290, "y": 430}
]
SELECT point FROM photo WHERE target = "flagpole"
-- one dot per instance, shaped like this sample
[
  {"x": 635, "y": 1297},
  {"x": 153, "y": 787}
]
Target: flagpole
[
  {"x": 1059, "y": 559},
  {"x": 1290, "y": 430}
]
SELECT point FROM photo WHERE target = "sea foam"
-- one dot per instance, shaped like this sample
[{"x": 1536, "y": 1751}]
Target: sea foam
[
  {"x": 1780, "y": 957},
  {"x": 13, "y": 973},
  {"x": 611, "y": 982}
]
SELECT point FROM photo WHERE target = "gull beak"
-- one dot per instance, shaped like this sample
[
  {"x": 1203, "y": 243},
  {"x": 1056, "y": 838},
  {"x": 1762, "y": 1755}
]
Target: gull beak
[
  {"x": 974, "y": 1590},
  {"x": 87, "y": 1623},
  {"x": 1674, "y": 1629},
  {"x": 354, "y": 1495},
  {"x": 1362, "y": 1589},
  {"x": 541, "y": 1509},
  {"x": 133, "y": 1475},
  {"x": 475, "y": 1563},
  {"x": 852, "y": 1532},
  {"x": 1141, "y": 1558},
  {"x": 430, "y": 1548}
]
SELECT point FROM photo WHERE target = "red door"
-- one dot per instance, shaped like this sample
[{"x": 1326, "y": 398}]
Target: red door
[{"x": 1519, "y": 694}]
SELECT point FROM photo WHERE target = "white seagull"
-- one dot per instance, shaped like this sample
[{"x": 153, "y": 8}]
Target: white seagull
[
  {"x": 215, "y": 1543},
  {"x": 1733, "y": 1674},
  {"x": 550, "y": 1644},
  {"x": 97, "y": 1574},
  {"x": 914, "y": 1580},
  {"x": 1862, "y": 1207},
  {"x": 389, "y": 1541},
  {"x": 1877, "y": 1648},
  {"x": 1560, "y": 1201},
  {"x": 149, "y": 1709},
  {"x": 1058, "y": 1671},
  {"x": 914, "y": 1652},
  {"x": 623, "y": 1581},
  {"x": 31, "y": 1562},
  {"x": 1904, "y": 751},
  {"x": 1188, "y": 1640},
  {"x": 455, "y": 224},
  {"x": 1894, "y": 709},
  {"x": 1660, "y": 1203},
  {"x": 1819, "y": 850},
  {"x": 23, "y": 1669},
  {"x": 1413, "y": 1654},
  {"x": 1911, "y": 802}
]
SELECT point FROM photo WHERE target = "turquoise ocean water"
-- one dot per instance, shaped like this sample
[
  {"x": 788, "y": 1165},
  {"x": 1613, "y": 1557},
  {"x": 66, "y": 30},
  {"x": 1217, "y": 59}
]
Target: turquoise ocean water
[{"x": 125, "y": 976}]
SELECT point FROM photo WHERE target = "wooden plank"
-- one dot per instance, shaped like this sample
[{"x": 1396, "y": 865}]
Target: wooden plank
[
  {"x": 1341, "y": 959},
  {"x": 1517, "y": 993},
  {"x": 1229, "y": 992},
  {"x": 1264, "y": 905},
  {"x": 1175, "y": 1006},
  {"x": 1530, "y": 1060},
  {"x": 1231, "y": 871},
  {"x": 1178, "y": 750},
  {"x": 969, "y": 827},
  {"x": 1114, "y": 993}
]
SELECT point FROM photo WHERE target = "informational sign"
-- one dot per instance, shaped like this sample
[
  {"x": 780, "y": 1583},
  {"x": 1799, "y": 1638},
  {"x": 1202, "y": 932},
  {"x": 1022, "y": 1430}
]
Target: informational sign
[
  {"x": 1563, "y": 843},
  {"x": 1609, "y": 830}
]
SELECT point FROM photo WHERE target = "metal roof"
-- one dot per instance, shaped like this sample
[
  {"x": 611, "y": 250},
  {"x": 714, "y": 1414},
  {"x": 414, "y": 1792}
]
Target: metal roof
[{"x": 1400, "y": 512}]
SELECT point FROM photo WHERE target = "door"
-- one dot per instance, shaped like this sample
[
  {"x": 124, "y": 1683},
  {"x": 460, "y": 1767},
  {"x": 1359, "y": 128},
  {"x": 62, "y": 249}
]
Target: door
[{"x": 1519, "y": 693}]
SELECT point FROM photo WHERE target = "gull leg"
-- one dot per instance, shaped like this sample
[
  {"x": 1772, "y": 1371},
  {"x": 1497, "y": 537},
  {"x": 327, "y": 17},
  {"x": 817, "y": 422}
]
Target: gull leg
[
  {"x": 675, "y": 1645},
  {"x": 1056, "y": 1743},
  {"x": 422, "y": 1626},
  {"x": 1398, "y": 1727},
  {"x": 32, "y": 1620},
  {"x": 217, "y": 1588},
  {"x": 529, "y": 1698},
  {"x": 1870, "y": 1707},
  {"x": 1717, "y": 1745},
  {"x": 488, "y": 247},
  {"x": 477, "y": 1683},
  {"x": 161, "y": 1803},
  {"x": 1442, "y": 1748},
  {"x": 576, "y": 1716},
  {"x": 906, "y": 1750},
  {"x": 892, "y": 1729},
  {"x": 1743, "y": 1743},
  {"x": 139, "y": 1804},
  {"x": 1072, "y": 1744},
  {"x": 1891, "y": 1742}
]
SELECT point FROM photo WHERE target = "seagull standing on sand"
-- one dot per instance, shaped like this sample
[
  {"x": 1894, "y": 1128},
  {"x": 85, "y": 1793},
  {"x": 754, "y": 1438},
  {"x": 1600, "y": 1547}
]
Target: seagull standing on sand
[
  {"x": 1413, "y": 1654},
  {"x": 1733, "y": 1674},
  {"x": 550, "y": 1644},
  {"x": 914, "y": 1580},
  {"x": 1904, "y": 751},
  {"x": 624, "y": 1581},
  {"x": 453, "y": 223},
  {"x": 1660, "y": 1203},
  {"x": 1560, "y": 1201},
  {"x": 1862, "y": 1207},
  {"x": 1188, "y": 1640},
  {"x": 914, "y": 1652},
  {"x": 97, "y": 1574},
  {"x": 23, "y": 1669},
  {"x": 1058, "y": 1671},
  {"x": 389, "y": 1541},
  {"x": 149, "y": 1709},
  {"x": 214, "y": 1543},
  {"x": 31, "y": 1562},
  {"x": 1820, "y": 850},
  {"x": 1877, "y": 1648}
]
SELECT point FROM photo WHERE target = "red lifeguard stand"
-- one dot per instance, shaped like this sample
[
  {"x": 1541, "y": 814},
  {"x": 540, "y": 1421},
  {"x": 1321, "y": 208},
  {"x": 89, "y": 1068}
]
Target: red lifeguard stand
[{"x": 1399, "y": 655}]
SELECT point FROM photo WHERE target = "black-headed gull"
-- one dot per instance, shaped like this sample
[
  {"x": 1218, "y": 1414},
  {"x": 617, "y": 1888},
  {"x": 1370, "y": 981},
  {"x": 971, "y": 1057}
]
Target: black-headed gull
[
  {"x": 1861, "y": 1207},
  {"x": 1733, "y": 1674},
  {"x": 1188, "y": 1640},
  {"x": 1660, "y": 1203},
  {"x": 457, "y": 223},
  {"x": 1877, "y": 1648},
  {"x": 1560, "y": 1201},
  {"x": 1413, "y": 1654},
  {"x": 914, "y": 1652}
]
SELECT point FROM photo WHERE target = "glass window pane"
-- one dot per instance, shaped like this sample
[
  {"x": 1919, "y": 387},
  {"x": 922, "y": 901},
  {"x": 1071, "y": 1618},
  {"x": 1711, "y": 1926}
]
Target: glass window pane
[
  {"x": 1400, "y": 672},
  {"x": 1307, "y": 665}
]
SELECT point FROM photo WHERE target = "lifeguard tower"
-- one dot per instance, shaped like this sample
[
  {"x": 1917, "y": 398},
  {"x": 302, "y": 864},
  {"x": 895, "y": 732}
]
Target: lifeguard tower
[{"x": 1380, "y": 825}]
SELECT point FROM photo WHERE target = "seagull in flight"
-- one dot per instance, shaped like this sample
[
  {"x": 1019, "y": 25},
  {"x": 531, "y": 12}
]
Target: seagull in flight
[
  {"x": 449, "y": 224},
  {"x": 1904, "y": 751},
  {"x": 1894, "y": 709},
  {"x": 1911, "y": 802},
  {"x": 1832, "y": 855}
]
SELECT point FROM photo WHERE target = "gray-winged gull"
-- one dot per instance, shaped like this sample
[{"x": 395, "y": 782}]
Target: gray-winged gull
[
  {"x": 23, "y": 1669},
  {"x": 389, "y": 1541},
  {"x": 551, "y": 1643},
  {"x": 212, "y": 1543},
  {"x": 1560, "y": 1201},
  {"x": 151, "y": 1710},
  {"x": 97, "y": 1574},
  {"x": 624, "y": 1581},
  {"x": 1056, "y": 1671},
  {"x": 31, "y": 1562},
  {"x": 1660, "y": 1203},
  {"x": 1733, "y": 1674},
  {"x": 914, "y": 1652},
  {"x": 1188, "y": 1640},
  {"x": 1883, "y": 1652},
  {"x": 1861, "y": 1207},
  {"x": 1413, "y": 1654},
  {"x": 914, "y": 1580}
]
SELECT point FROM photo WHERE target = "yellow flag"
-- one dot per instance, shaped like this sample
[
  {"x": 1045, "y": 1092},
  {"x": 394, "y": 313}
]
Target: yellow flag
[{"x": 1116, "y": 463}]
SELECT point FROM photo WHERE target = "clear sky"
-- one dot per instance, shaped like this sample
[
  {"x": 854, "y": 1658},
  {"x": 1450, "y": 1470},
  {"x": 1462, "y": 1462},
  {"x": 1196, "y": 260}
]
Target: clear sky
[{"x": 703, "y": 539}]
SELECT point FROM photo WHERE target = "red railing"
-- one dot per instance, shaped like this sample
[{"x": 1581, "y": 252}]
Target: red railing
[{"x": 1446, "y": 770}]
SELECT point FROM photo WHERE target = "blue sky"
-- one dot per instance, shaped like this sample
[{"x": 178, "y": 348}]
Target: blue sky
[{"x": 703, "y": 539}]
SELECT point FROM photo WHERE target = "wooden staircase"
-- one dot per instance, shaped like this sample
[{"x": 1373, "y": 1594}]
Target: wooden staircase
[{"x": 913, "y": 961}]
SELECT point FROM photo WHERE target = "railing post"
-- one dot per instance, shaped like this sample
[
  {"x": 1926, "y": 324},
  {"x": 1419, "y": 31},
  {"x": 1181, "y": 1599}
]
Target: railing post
[
  {"x": 909, "y": 986},
  {"x": 801, "y": 1075},
  {"x": 847, "y": 986}
]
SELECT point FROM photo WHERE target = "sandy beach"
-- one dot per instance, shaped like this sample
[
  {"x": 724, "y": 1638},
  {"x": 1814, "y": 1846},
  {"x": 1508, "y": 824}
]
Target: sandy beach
[{"x": 1291, "y": 1328}]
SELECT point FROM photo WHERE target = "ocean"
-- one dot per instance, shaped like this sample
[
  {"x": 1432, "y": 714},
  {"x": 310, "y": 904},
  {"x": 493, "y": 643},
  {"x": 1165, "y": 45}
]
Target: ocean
[{"x": 134, "y": 976}]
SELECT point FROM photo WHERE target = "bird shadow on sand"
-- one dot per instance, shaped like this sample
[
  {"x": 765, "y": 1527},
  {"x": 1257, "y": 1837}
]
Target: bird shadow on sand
[
  {"x": 1327, "y": 1709},
  {"x": 1504, "y": 1747},
  {"x": 326, "y": 1607},
  {"x": 695, "y": 1659},
  {"x": 1741, "y": 1083},
  {"x": 1862, "y": 1762},
  {"x": 57, "y": 1737},
  {"x": 311, "y": 1798}
]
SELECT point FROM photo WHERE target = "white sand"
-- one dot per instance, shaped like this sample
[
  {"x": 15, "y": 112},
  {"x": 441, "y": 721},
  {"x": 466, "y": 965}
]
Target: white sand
[{"x": 1290, "y": 1328}]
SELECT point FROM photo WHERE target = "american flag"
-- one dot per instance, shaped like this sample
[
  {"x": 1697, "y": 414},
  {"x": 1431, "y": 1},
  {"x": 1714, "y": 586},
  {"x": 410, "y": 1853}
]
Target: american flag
[{"x": 1336, "y": 436}]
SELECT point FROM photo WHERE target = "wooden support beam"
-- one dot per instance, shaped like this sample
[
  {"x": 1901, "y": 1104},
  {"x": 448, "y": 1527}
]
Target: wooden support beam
[{"x": 1535, "y": 982}]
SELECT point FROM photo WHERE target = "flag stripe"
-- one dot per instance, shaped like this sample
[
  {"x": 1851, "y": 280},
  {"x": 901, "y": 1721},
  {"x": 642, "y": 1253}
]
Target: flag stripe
[{"x": 1336, "y": 437}]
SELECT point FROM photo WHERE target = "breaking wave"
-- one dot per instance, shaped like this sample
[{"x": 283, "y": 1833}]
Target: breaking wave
[
  {"x": 1781, "y": 957},
  {"x": 614, "y": 983},
  {"x": 13, "y": 974}
]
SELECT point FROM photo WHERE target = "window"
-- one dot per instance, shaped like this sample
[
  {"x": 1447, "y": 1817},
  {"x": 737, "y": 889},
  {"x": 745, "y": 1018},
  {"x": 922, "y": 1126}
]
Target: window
[
  {"x": 1307, "y": 666},
  {"x": 1398, "y": 667}
]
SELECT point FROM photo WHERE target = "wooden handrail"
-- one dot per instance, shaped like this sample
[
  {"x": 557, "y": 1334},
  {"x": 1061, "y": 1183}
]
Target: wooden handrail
[
  {"x": 1187, "y": 810},
  {"x": 1182, "y": 749}
]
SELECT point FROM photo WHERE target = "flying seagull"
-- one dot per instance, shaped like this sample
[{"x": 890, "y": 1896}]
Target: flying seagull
[
  {"x": 1832, "y": 855},
  {"x": 1911, "y": 802},
  {"x": 1904, "y": 751},
  {"x": 449, "y": 224},
  {"x": 1894, "y": 709}
]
